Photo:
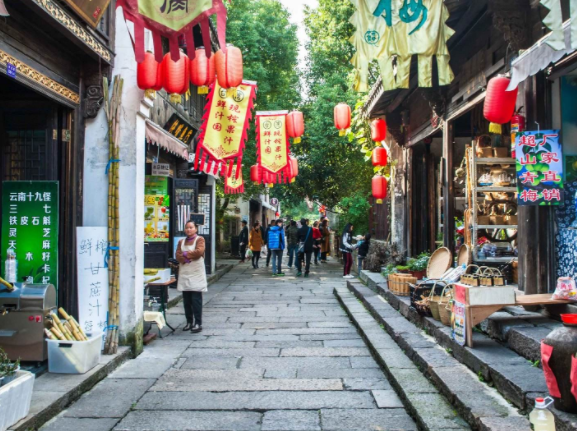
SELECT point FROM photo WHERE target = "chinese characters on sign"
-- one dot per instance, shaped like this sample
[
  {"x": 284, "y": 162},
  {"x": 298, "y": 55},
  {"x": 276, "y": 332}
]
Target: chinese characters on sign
[
  {"x": 179, "y": 129},
  {"x": 156, "y": 209},
  {"x": 90, "y": 10},
  {"x": 91, "y": 246},
  {"x": 272, "y": 141},
  {"x": 161, "y": 169},
  {"x": 30, "y": 229},
  {"x": 539, "y": 168},
  {"x": 458, "y": 319}
]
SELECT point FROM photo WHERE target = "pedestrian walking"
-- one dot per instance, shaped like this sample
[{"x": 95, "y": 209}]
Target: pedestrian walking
[
  {"x": 363, "y": 251},
  {"x": 325, "y": 240},
  {"x": 243, "y": 240},
  {"x": 276, "y": 246},
  {"x": 347, "y": 250},
  {"x": 305, "y": 250},
  {"x": 292, "y": 237},
  {"x": 255, "y": 243},
  {"x": 317, "y": 239},
  {"x": 192, "y": 276},
  {"x": 268, "y": 253}
]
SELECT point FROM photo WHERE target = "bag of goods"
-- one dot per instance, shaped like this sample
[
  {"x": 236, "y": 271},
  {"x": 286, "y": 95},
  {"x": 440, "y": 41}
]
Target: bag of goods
[{"x": 565, "y": 289}]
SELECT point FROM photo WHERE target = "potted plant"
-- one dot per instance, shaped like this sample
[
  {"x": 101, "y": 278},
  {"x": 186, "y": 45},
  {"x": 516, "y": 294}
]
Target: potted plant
[
  {"x": 404, "y": 269},
  {"x": 8, "y": 369},
  {"x": 16, "y": 394},
  {"x": 418, "y": 265}
]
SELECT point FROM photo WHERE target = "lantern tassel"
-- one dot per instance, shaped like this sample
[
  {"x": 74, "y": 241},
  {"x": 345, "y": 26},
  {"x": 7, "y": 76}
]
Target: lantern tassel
[
  {"x": 296, "y": 140},
  {"x": 342, "y": 132},
  {"x": 293, "y": 180},
  {"x": 495, "y": 129},
  {"x": 203, "y": 90},
  {"x": 175, "y": 98},
  {"x": 379, "y": 201},
  {"x": 150, "y": 94}
]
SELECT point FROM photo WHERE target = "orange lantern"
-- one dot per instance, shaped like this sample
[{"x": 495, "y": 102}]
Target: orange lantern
[
  {"x": 229, "y": 70},
  {"x": 342, "y": 118},
  {"x": 202, "y": 71},
  {"x": 379, "y": 188},
  {"x": 175, "y": 76},
  {"x": 499, "y": 105},
  {"x": 378, "y": 130},
  {"x": 149, "y": 75},
  {"x": 255, "y": 174},
  {"x": 380, "y": 157},
  {"x": 294, "y": 168},
  {"x": 295, "y": 124}
]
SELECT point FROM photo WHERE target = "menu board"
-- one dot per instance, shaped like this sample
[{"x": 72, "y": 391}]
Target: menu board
[
  {"x": 539, "y": 167},
  {"x": 30, "y": 230},
  {"x": 156, "y": 209}
]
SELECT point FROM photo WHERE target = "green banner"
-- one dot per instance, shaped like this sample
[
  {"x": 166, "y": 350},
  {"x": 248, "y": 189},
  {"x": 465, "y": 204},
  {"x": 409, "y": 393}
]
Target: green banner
[
  {"x": 156, "y": 209},
  {"x": 30, "y": 229}
]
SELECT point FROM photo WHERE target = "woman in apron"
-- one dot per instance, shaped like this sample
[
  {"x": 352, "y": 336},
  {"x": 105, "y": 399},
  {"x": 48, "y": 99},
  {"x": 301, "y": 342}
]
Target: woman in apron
[{"x": 192, "y": 276}]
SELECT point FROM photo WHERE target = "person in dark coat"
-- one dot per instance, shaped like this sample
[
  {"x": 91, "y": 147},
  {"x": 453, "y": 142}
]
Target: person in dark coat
[
  {"x": 243, "y": 240},
  {"x": 292, "y": 237},
  {"x": 306, "y": 242},
  {"x": 363, "y": 251}
]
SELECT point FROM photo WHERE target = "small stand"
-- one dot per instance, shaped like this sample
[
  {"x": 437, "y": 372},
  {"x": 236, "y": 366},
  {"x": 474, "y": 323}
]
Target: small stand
[{"x": 160, "y": 290}]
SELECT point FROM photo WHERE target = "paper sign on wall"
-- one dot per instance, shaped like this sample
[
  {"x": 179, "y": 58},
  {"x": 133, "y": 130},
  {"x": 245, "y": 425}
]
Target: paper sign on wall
[
  {"x": 458, "y": 318},
  {"x": 91, "y": 246}
]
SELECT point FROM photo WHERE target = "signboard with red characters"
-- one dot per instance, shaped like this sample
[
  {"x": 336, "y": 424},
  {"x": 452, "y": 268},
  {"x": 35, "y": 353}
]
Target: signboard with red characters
[
  {"x": 91, "y": 11},
  {"x": 539, "y": 167}
]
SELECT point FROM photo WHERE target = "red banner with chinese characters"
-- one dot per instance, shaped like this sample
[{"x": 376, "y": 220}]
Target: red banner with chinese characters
[
  {"x": 273, "y": 145},
  {"x": 224, "y": 128},
  {"x": 234, "y": 184}
]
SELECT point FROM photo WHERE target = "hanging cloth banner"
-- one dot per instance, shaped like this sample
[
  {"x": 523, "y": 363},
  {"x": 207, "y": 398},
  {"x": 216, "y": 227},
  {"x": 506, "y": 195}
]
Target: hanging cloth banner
[
  {"x": 224, "y": 128},
  {"x": 173, "y": 19},
  {"x": 273, "y": 145},
  {"x": 234, "y": 184}
]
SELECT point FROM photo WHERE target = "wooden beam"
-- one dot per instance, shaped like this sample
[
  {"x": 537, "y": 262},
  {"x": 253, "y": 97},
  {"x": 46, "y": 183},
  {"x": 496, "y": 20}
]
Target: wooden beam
[{"x": 448, "y": 188}]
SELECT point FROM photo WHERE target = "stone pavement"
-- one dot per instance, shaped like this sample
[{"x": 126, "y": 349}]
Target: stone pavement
[{"x": 275, "y": 354}]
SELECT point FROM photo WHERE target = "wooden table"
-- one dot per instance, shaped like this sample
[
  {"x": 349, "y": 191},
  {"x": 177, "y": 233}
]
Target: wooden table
[{"x": 163, "y": 297}]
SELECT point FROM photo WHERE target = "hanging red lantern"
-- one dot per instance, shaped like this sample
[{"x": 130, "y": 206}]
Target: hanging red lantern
[
  {"x": 149, "y": 75},
  {"x": 268, "y": 178},
  {"x": 342, "y": 118},
  {"x": 380, "y": 157},
  {"x": 499, "y": 103},
  {"x": 202, "y": 70},
  {"x": 176, "y": 76},
  {"x": 295, "y": 124},
  {"x": 294, "y": 168},
  {"x": 255, "y": 174},
  {"x": 229, "y": 69},
  {"x": 378, "y": 130},
  {"x": 379, "y": 188}
]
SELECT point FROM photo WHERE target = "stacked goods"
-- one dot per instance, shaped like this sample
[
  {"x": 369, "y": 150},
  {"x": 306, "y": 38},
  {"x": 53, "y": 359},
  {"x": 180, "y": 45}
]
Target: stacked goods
[{"x": 65, "y": 329}]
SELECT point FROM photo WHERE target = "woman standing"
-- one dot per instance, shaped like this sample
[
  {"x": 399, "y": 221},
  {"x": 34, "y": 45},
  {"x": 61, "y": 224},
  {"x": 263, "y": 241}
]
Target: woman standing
[
  {"x": 317, "y": 238},
  {"x": 192, "y": 276},
  {"x": 255, "y": 243},
  {"x": 347, "y": 250},
  {"x": 325, "y": 240}
]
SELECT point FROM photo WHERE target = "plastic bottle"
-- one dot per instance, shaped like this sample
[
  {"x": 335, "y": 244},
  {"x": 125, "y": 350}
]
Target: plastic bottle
[
  {"x": 541, "y": 418},
  {"x": 11, "y": 266}
]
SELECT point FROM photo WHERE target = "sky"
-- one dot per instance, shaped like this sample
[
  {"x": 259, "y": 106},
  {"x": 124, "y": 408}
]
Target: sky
[{"x": 296, "y": 9}]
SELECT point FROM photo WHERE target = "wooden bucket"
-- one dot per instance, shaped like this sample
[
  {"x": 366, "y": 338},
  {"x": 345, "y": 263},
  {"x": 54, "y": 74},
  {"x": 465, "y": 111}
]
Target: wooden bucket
[{"x": 399, "y": 284}]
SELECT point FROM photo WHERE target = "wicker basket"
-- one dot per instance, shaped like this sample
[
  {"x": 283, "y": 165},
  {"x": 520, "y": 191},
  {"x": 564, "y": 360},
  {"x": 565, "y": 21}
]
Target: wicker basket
[
  {"x": 434, "y": 304},
  {"x": 445, "y": 307},
  {"x": 441, "y": 260},
  {"x": 399, "y": 284},
  {"x": 464, "y": 256}
]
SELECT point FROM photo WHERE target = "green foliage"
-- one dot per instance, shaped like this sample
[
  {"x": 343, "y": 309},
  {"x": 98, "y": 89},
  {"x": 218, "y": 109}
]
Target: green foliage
[
  {"x": 389, "y": 269},
  {"x": 419, "y": 263},
  {"x": 7, "y": 368},
  {"x": 355, "y": 210}
]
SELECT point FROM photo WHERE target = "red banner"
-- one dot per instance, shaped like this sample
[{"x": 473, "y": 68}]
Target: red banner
[
  {"x": 273, "y": 146},
  {"x": 224, "y": 128}
]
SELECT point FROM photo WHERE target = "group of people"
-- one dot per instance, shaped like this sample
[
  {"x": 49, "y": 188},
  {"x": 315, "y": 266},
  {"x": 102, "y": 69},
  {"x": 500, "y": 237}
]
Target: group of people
[{"x": 301, "y": 241}]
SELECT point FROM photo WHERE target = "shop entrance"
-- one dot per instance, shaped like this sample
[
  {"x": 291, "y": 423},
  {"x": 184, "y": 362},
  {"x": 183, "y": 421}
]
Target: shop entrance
[{"x": 35, "y": 141}]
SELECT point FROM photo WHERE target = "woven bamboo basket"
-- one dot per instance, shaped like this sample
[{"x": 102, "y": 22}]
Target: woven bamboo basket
[
  {"x": 440, "y": 261},
  {"x": 445, "y": 307},
  {"x": 434, "y": 304},
  {"x": 399, "y": 284}
]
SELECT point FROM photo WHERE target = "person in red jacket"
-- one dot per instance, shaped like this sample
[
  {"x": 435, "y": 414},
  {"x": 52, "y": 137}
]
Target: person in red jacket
[{"x": 317, "y": 236}]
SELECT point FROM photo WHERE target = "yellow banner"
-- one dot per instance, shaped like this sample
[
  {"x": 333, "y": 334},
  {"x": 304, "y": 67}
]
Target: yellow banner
[
  {"x": 232, "y": 182},
  {"x": 273, "y": 142},
  {"x": 174, "y": 14}
]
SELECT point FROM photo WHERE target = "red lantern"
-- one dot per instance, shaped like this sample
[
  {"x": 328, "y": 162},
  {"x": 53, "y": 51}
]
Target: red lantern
[
  {"x": 229, "y": 70},
  {"x": 342, "y": 118},
  {"x": 379, "y": 188},
  {"x": 149, "y": 75},
  {"x": 202, "y": 71},
  {"x": 255, "y": 174},
  {"x": 499, "y": 103},
  {"x": 378, "y": 130},
  {"x": 380, "y": 157},
  {"x": 176, "y": 76},
  {"x": 268, "y": 178},
  {"x": 295, "y": 124},
  {"x": 294, "y": 168}
]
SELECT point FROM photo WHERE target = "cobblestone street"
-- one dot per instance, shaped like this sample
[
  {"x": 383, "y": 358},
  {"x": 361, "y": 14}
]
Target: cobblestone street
[{"x": 274, "y": 354}]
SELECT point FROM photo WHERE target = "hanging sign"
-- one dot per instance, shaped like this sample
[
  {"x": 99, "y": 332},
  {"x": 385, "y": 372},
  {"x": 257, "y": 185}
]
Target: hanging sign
[
  {"x": 539, "y": 167},
  {"x": 91, "y": 246},
  {"x": 273, "y": 144},
  {"x": 458, "y": 318},
  {"x": 156, "y": 209},
  {"x": 30, "y": 229},
  {"x": 179, "y": 129},
  {"x": 91, "y": 11},
  {"x": 234, "y": 184},
  {"x": 161, "y": 169},
  {"x": 225, "y": 127}
]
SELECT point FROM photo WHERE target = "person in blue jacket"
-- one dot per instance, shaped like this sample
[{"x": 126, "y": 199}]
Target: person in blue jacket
[{"x": 276, "y": 246}]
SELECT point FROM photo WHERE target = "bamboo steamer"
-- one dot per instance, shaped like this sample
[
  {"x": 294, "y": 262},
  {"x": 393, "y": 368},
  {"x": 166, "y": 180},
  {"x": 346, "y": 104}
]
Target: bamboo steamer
[
  {"x": 399, "y": 284},
  {"x": 440, "y": 261}
]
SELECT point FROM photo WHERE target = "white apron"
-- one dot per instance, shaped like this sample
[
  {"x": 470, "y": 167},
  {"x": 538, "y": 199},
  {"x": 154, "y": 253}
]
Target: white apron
[{"x": 192, "y": 276}]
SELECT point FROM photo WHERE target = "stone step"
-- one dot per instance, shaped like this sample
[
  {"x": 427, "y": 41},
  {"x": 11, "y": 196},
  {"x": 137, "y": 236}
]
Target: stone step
[
  {"x": 425, "y": 404},
  {"x": 516, "y": 378}
]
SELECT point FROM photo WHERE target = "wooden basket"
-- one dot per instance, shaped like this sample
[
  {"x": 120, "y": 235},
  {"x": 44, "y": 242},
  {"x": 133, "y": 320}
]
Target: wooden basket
[
  {"x": 501, "y": 152},
  {"x": 441, "y": 260},
  {"x": 445, "y": 307},
  {"x": 434, "y": 304},
  {"x": 399, "y": 284}
]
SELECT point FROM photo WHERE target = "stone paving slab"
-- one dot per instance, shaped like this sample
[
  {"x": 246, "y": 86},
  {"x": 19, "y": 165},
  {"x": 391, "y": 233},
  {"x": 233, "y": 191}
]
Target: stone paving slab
[
  {"x": 312, "y": 362},
  {"x": 291, "y": 420},
  {"x": 387, "y": 399},
  {"x": 242, "y": 385},
  {"x": 325, "y": 351},
  {"x": 190, "y": 421},
  {"x": 76, "y": 424},
  {"x": 339, "y": 373},
  {"x": 354, "y": 419},
  {"x": 366, "y": 384},
  {"x": 289, "y": 344},
  {"x": 238, "y": 353},
  {"x": 143, "y": 368},
  {"x": 211, "y": 363}
]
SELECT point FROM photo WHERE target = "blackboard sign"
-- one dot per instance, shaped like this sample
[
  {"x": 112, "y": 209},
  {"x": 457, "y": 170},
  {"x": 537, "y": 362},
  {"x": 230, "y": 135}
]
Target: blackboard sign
[
  {"x": 179, "y": 129},
  {"x": 198, "y": 219}
]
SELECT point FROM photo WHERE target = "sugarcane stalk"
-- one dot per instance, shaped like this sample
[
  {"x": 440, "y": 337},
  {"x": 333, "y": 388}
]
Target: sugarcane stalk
[
  {"x": 79, "y": 328},
  {"x": 49, "y": 334},
  {"x": 57, "y": 332},
  {"x": 73, "y": 324}
]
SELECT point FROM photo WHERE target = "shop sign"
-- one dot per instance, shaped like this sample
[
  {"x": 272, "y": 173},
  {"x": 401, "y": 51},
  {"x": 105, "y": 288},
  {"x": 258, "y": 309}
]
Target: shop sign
[
  {"x": 179, "y": 129},
  {"x": 30, "y": 229},
  {"x": 90, "y": 11},
  {"x": 11, "y": 70},
  {"x": 91, "y": 247},
  {"x": 156, "y": 209},
  {"x": 274, "y": 202},
  {"x": 539, "y": 167},
  {"x": 198, "y": 219},
  {"x": 458, "y": 319},
  {"x": 161, "y": 169}
]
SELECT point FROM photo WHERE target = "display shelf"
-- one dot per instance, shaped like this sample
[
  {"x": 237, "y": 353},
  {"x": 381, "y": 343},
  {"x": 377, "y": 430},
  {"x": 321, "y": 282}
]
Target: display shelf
[
  {"x": 495, "y": 161},
  {"x": 497, "y": 226},
  {"x": 496, "y": 189},
  {"x": 506, "y": 259}
]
